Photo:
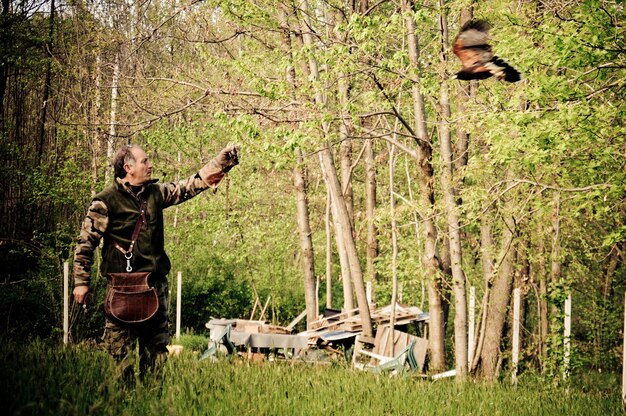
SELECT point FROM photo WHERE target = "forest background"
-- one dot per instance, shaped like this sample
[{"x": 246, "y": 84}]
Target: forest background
[{"x": 362, "y": 160}]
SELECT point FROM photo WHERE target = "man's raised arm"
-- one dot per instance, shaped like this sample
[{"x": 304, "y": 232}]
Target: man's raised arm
[{"x": 209, "y": 176}]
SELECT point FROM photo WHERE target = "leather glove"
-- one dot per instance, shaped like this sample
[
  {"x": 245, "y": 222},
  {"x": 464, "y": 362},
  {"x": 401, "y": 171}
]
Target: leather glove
[{"x": 228, "y": 158}]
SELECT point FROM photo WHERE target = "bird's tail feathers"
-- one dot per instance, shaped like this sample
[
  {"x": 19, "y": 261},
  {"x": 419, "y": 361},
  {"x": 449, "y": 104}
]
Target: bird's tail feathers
[
  {"x": 502, "y": 70},
  {"x": 480, "y": 25}
]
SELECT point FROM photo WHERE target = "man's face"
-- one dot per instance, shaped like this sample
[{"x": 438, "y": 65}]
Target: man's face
[{"x": 139, "y": 172}]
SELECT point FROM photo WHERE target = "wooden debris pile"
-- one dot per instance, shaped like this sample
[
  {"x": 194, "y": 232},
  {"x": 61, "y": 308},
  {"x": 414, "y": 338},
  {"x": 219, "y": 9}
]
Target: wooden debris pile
[
  {"x": 351, "y": 321},
  {"x": 248, "y": 326}
]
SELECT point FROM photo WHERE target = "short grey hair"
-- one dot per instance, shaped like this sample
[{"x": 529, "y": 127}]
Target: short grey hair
[{"x": 123, "y": 157}]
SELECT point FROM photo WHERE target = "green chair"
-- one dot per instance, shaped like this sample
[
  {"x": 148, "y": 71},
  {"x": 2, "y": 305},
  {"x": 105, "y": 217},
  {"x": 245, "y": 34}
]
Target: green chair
[{"x": 404, "y": 361}]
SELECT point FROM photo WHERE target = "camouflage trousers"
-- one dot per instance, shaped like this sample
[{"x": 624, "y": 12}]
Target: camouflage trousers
[{"x": 148, "y": 340}]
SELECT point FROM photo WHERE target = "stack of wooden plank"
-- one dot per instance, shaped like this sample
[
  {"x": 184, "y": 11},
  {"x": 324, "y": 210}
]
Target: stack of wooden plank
[{"x": 351, "y": 320}]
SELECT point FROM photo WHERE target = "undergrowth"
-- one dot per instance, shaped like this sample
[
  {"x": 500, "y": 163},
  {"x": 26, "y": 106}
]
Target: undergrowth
[{"x": 51, "y": 380}]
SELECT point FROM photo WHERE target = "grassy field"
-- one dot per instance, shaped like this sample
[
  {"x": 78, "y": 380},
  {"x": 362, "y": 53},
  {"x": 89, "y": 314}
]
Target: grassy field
[{"x": 42, "y": 380}]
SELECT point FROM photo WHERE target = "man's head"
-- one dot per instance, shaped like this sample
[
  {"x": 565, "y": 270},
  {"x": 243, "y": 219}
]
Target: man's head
[{"x": 131, "y": 164}]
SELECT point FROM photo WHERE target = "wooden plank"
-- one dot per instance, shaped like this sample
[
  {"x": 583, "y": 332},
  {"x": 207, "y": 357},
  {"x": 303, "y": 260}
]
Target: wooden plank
[
  {"x": 341, "y": 317},
  {"x": 264, "y": 308},
  {"x": 293, "y": 323}
]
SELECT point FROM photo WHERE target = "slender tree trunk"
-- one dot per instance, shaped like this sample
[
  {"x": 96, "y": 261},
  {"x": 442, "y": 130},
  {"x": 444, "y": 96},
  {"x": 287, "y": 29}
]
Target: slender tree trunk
[
  {"x": 450, "y": 204},
  {"x": 370, "y": 209},
  {"x": 345, "y": 152},
  {"x": 416, "y": 223},
  {"x": 113, "y": 116},
  {"x": 609, "y": 273},
  {"x": 329, "y": 267},
  {"x": 346, "y": 278},
  {"x": 336, "y": 193},
  {"x": 499, "y": 299},
  {"x": 306, "y": 242},
  {"x": 430, "y": 259},
  {"x": 343, "y": 222},
  {"x": 345, "y": 158},
  {"x": 521, "y": 282},
  {"x": 555, "y": 251},
  {"x": 302, "y": 204},
  {"x": 543, "y": 296},
  {"x": 4, "y": 66},
  {"x": 46, "y": 87},
  {"x": 555, "y": 256},
  {"x": 394, "y": 251},
  {"x": 96, "y": 140},
  {"x": 465, "y": 92}
]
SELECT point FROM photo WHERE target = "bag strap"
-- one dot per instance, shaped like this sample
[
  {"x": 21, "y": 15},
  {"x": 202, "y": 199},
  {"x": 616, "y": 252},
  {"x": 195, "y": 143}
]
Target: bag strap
[{"x": 128, "y": 254}]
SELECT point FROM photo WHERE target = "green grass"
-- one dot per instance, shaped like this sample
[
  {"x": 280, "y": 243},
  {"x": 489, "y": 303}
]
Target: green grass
[{"x": 44, "y": 380}]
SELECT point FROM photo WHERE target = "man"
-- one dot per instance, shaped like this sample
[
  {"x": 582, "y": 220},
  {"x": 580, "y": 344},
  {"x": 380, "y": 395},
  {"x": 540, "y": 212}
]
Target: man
[{"x": 113, "y": 215}]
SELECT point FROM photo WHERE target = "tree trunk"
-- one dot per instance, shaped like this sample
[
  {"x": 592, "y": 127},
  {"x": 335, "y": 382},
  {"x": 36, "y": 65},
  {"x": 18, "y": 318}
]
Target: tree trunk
[
  {"x": 370, "y": 209},
  {"x": 97, "y": 137},
  {"x": 555, "y": 256},
  {"x": 329, "y": 268},
  {"x": 346, "y": 277},
  {"x": 465, "y": 92},
  {"x": 499, "y": 299},
  {"x": 430, "y": 260},
  {"x": 302, "y": 203},
  {"x": 46, "y": 87},
  {"x": 306, "y": 242},
  {"x": 345, "y": 230},
  {"x": 113, "y": 116},
  {"x": 488, "y": 266},
  {"x": 450, "y": 205},
  {"x": 521, "y": 282},
  {"x": 336, "y": 193},
  {"x": 345, "y": 153},
  {"x": 389, "y": 349},
  {"x": 4, "y": 66},
  {"x": 543, "y": 296},
  {"x": 345, "y": 158}
]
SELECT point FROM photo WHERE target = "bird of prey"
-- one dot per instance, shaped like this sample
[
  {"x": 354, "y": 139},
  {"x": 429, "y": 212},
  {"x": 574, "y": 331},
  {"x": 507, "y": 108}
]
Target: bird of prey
[{"x": 475, "y": 54}]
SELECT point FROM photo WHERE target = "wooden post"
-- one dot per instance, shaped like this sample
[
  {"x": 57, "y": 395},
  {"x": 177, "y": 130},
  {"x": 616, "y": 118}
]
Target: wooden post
[
  {"x": 264, "y": 308},
  {"x": 624, "y": 356},
  {"x": 66, "y": 303},
  {"x": 179, "y": 285},
  {"x": 368, "y": 291},
  {"x": 470, "y": 327},
  {"x": 516, "y": 328},
  {"x": 256, "y": 302},
  {"x": 566, "y": 335},
  {"x": 317, "y": 297}
]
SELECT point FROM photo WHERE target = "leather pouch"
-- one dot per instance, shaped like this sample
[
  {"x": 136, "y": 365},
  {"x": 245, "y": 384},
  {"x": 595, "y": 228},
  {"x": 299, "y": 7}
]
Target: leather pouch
[{"x": 129, "y": 298}]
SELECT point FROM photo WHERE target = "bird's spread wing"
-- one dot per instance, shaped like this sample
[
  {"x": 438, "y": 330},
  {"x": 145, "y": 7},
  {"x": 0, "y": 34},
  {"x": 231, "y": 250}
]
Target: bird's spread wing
[
  {"x": 472, "y": 48},
  {"x": 471, "y": 44}
]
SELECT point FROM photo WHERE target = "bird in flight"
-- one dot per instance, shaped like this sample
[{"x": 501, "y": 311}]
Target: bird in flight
[{"x": 471, "y": 47}]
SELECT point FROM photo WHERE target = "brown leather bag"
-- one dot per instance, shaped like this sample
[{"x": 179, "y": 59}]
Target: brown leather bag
[{"x": 129, "y": 298}]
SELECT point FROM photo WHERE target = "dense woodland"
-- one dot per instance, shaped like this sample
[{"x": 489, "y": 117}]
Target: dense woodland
[{"x": 362, "y": 160}]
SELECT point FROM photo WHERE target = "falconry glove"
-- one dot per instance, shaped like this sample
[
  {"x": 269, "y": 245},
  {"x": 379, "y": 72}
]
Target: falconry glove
[
  {"x": 228, "y": 158},
  {"x": 213, "y": 172}
]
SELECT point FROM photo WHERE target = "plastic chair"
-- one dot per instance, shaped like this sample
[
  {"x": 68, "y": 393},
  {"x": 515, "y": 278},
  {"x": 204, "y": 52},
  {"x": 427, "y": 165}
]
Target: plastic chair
[
  {"x": 404, "y": 361},
  {"x": 221, "y": 337}
]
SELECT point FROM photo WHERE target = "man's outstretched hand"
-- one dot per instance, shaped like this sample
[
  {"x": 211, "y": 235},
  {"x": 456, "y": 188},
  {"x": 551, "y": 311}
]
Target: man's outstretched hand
[{"x": 228, "y": 157}]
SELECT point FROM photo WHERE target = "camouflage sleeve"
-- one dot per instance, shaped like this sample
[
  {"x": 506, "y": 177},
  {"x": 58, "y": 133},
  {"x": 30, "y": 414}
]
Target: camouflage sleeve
[
  {"x": 92, "y": 230},
  {"x": 208, "y": 177}
]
